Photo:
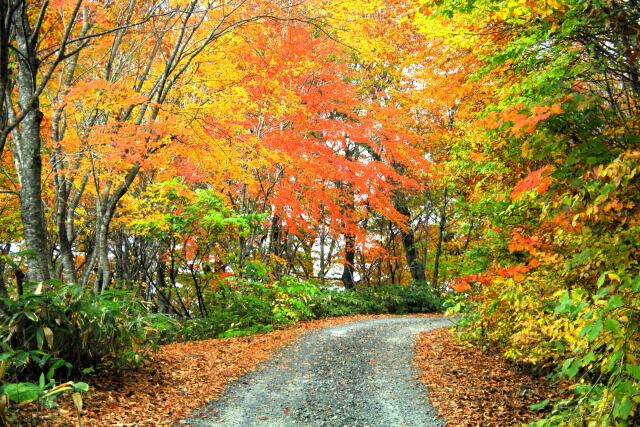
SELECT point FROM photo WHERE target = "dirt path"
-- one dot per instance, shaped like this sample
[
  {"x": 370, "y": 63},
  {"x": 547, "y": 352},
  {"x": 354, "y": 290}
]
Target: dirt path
[{"x": 357, "y": 374}]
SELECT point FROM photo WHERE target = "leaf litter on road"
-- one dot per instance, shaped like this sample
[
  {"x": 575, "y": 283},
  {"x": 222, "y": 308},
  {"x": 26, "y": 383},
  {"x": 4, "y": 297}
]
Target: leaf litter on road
[{"x": 177, "y": 379}]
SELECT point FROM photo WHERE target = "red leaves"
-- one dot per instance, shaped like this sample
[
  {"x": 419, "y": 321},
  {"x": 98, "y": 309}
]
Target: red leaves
[
  {"x": 523, "y": 243},
  {"x": 538, "y": 180},
  {"x": 517, "y": 272},
  {"x": 522, "y": 120},
  {"x": 463, "y": 284},
  {"x": 525, "y": 123}
]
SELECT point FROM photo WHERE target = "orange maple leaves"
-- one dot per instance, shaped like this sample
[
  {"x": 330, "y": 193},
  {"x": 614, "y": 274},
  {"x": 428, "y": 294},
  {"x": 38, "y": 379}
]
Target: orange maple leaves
[{"x": 538, "y": 180}]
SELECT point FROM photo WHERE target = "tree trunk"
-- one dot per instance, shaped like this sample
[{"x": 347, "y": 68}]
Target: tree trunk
[
  {"x": 275, "y": 244},
  {"x": 441, "y": 229},
  {"x": 161, "y": 285},
  {"x": 4, "y": 251},
  {"x": 321, "y": 273},
  {"x": 62, "y": 186},
  {"x": 27, "y": 151},
  {"x": 102, "y": 249},
  {"x": 5, "y": 47},
  {"x": 416, "y": 266},
  {"x": 349, "y": 261},
  {"x": 106, "y": 208}
]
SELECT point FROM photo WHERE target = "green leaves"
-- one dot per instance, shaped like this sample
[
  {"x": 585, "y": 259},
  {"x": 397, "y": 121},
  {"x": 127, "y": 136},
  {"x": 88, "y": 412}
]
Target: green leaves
[
  {"x": 578, "y": 310},
  {"x": 570, "y": 367},
  {"x": 614, "y": 302},
  {"x": 612, "y": 325},
  {"x": 622, "y": 409},
  {"x": 591, "y": 330},
  {"x": 80, "y": 386},
  {"x": 22, "y": 392},
  {"x": 539, "y": 406}
]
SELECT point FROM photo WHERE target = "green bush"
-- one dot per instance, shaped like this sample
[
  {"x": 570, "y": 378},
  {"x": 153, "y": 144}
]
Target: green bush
[
  {"x": 243, "y": 307},
  {"x": 63, "y": 326},
  {"x": 401, "y": 299},
  {"x": 69, "y": 330}
]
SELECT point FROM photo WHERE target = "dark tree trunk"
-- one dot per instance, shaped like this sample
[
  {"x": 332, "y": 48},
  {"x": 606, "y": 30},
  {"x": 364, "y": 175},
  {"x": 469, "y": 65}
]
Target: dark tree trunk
[
  {"x": 349, "y": 261},
  {"x": 416, "y": 265},
  {"x": 161, "y": 286},
  {"x": 441, "y": 230},
  {"x": 5, "y": 30},
  {"x": 349, "y": 238},
  {"x": 4, "y": 251},
  {"x": 321, "y": 273},
  {"x": 275, "y": 242}
]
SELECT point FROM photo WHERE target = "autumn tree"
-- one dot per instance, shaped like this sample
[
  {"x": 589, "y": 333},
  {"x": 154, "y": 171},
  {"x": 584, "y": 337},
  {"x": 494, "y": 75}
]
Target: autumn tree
[{"x": 553, "y": 147}]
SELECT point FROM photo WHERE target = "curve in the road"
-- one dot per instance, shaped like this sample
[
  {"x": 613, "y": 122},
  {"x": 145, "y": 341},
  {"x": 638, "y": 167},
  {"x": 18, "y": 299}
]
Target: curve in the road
[{"x": 357, "y": 374}]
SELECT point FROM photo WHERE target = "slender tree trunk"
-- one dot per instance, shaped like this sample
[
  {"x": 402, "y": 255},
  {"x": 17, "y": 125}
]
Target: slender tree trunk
[
  {"x": 66, "y": 253},
  {"x": 5, "y": 46},
  {"x": 102, "y": 249},
  {"x": 106, "y": 209},
  {"x": 468, "y": 239},
  {"x": 4, "y": 251},
  {"x": 441, "y": 230},
  {"x": 161, "y": 285},
  {"x": 349, "y": 261},
  {"x": 321, "y": 273},
  {"x": 62, "y": 186},
  {"x": 275, "y": 243},
  {"x": 349, "y": 238},
  {"x": 173, "y": 273},
  {"x": 65, "y": 203}
]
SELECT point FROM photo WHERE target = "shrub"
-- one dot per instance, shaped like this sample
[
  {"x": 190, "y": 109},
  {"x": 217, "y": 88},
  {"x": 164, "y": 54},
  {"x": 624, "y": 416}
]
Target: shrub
[
  {"x": 65, "y": 326},
  {"x": 401, "y": 299},
  {"x": 243, "y": 307}
]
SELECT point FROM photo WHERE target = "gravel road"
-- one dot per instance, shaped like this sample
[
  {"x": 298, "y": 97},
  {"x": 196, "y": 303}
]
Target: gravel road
[{"x": 356, "y": 375}]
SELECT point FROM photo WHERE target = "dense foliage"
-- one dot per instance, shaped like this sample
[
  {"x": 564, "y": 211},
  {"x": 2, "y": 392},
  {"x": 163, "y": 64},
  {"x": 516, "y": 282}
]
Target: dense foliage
[
  {"x": 554, "y": 162},
  {"x": 187, "y": 169}
]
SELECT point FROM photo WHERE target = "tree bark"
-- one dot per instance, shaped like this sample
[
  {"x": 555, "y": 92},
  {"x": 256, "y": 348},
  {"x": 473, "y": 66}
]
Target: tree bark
[
  {"x": 5, "y": 30},
  {"x": 349, "y": 261},
  {"x": 416, "y": 266},
  {"x": 321, "y": 273},
  {"x": 27, "y": 150},
  {"x": 441, "y": 230},
  {"x": 105, "y": 214}
]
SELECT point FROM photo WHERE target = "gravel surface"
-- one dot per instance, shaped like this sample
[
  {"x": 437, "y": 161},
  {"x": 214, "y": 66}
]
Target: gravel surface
[{"x": 358, "y": 374}]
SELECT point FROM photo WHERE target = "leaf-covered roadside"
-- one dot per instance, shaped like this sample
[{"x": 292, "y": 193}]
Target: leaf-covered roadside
[
  {"x": 175, "y": 380},
  {"x": 472, "y": 388}
]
